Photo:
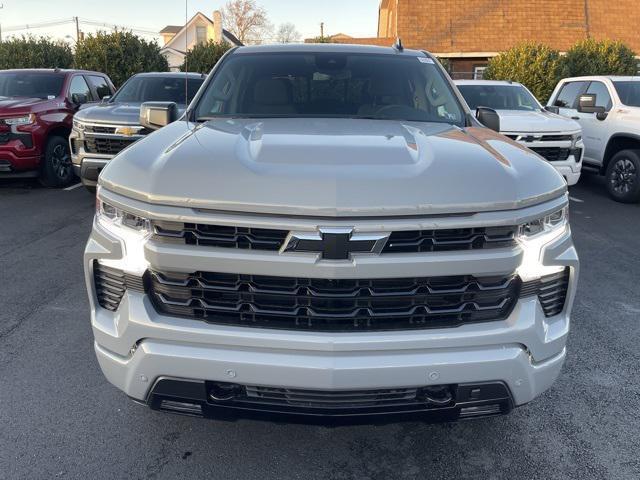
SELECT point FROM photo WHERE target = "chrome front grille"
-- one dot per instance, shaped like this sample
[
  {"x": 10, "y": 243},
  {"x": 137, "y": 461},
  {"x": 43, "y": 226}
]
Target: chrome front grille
[
  {"x": 412, "y": 241},
  {"x": 333, "y": 305}
]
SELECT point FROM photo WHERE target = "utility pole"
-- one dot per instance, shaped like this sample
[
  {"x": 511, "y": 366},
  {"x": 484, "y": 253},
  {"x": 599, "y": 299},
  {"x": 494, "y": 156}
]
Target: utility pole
[
  {"x": 77, "y": 29},
  {"x": 321, "y": 29},
  {"x": 1, "y": 7},
  {"x": 587, "y": 20}
]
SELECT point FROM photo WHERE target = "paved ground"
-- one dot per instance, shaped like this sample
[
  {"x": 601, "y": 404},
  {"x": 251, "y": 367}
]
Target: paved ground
[{"x": 60, "y": 418}]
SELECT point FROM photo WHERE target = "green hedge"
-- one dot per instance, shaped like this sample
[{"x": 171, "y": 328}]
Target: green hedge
[
  {"x": 605, "y": 57},
  {"x": 536, "y": 66},
  {"x": 30, "y": 52},
  {"x": 119, "y": 54},
  {"x": 540, "y": 68},
  {"x": 203, "y": 57}
]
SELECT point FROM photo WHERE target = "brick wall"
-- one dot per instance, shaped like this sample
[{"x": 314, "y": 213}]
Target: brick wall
[{"x": 459, "y": 26}]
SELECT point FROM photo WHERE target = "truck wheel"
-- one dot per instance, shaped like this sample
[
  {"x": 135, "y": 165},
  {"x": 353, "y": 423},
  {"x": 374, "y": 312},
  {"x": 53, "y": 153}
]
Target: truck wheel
[
  {"x": 623, "y": 176},
  {"x": 57, "y": 170}
]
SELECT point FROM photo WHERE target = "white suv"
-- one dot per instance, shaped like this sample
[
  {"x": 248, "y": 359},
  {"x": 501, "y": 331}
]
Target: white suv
[
  {"x": 556, "y": 139},
  {"x": 608, "y": 110}
]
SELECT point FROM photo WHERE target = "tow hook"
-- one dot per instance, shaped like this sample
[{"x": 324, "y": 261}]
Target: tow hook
[{"x": 438, "y": 395}]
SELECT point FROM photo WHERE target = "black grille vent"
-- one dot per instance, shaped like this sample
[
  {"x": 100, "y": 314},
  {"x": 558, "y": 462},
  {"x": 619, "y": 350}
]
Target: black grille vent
[
  {"x": 553, "y": 154},
  {"x": 106, "y": 146},
  {"x": 334, "y": 305},
  {"x": 330, "y": 400},
  {"x": 413, "y": 241},
  {"x": 111, "y": 284},
  {"x": 452, "y": 239},
  {"x": 551, "y": 291},
  {"x": 222, "y": 236}
]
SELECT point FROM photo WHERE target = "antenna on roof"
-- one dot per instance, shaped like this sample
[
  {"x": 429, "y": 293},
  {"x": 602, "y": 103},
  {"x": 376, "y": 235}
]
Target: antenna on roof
[
  {"x": 398, "y": 45},
  {"x": 186, "y": 62}
]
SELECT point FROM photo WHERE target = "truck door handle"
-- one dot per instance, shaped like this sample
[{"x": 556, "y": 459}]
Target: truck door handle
[{"x": 575, "y": 118}]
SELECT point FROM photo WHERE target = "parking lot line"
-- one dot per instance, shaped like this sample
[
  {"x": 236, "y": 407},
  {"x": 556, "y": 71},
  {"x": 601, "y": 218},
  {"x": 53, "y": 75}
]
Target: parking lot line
[
  {"x": 574, "y": 199},
  {"x": 73, "y": 187}
]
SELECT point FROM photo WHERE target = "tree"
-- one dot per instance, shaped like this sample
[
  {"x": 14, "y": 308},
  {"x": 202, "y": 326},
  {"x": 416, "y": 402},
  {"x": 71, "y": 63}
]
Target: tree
[
  {"x": 30, "y": 52},
  {"x": 119, "y": 54},
  {"x": 319, "y": 40},
  {"x": 204, "y": 56},
  {"x": 287, "y": 33},
  {"x": 246, "y": 20},
  {"x": 593, "y": 57},
  {"x": 536, "y": 66}
]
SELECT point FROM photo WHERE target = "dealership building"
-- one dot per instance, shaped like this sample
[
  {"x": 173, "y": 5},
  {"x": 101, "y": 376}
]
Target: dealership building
[{"x": 469, "y": 32}]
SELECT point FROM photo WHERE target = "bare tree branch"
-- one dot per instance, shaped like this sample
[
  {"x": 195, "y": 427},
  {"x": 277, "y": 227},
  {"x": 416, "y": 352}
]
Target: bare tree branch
[
  {"x": 246, "y": 20},
  {"x": 287, "y": 33}
]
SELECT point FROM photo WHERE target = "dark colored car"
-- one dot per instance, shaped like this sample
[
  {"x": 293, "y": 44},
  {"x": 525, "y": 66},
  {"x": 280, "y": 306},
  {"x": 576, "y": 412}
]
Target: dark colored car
[
  {"x": 101, "y": 132},
  {"x": 36, "y": 112}
]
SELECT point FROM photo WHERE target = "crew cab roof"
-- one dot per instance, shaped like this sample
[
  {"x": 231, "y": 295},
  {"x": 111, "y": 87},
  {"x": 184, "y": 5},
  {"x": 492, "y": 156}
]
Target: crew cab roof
[
  {"x": 329, "y": 48},
  {"x": 487, "y": 82},
  {"x": 170, "y": 74},
  {"x": 613, "y": 78}
]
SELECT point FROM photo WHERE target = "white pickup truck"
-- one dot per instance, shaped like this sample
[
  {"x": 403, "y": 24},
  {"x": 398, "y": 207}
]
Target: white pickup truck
[
  {"x": 608, "y": 110},
  {"x": 556, "y": 139}
]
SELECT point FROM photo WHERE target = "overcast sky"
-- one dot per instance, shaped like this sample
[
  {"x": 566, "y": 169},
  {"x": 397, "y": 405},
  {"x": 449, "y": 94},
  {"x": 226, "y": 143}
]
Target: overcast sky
[{"x": 353, "y": 17}]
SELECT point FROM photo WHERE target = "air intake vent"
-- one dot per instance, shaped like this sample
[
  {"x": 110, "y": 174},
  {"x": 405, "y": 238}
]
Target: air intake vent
[
  {"x": 111, "y": 284},
  {"x": 551, "y": 291}
]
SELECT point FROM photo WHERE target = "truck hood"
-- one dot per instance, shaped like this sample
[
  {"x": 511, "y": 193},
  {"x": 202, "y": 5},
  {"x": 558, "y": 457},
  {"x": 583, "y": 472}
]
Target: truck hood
[
  {"x": 19, "y": 106},
  {"x": 517, "y": 121},
  {"x": 335, "y": 168},
  {"x": 114, "y": 113}
]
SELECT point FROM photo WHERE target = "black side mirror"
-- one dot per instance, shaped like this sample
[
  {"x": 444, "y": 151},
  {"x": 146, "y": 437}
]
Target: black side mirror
[
  {"x": 79, "y": 99},
  {"x": 587, "y": 104},
  {"x": 489, "y": 118},
  {"x": 155, "y": 115},
  {"x": 552, "y": 109}
]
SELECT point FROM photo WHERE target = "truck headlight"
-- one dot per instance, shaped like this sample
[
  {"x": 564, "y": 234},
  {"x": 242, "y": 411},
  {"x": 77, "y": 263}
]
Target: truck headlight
[
  {"x": 576, "y": 140},
  {"x": 534, "y": 236},
  {"x": 78, "y": 125},
  {"x": 132, "y": 230},
  {"x": 24, "y": 120}
]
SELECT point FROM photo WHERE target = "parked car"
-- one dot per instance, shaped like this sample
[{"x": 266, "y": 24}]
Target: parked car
[
  {"x": 331, "y": 234},
  {"x": 36, "y": 111},
  {"x": 608, "y": 110},
  {"x": 101, "y": 132},
  {"x": 555, "y": 138}
]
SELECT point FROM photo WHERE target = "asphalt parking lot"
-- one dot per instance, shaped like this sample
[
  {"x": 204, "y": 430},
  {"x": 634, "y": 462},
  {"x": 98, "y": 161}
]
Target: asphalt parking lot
[{"x": 59, "y": 418}]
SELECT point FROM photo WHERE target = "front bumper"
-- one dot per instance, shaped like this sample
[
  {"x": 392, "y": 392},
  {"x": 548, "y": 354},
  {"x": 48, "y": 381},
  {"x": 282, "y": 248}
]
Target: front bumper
[
  {"x": 136, "y": 346},
  {"x": 19, "y": 155}
]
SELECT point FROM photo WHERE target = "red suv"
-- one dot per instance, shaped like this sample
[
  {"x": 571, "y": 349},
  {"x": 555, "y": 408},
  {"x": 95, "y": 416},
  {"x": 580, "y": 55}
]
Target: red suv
[{"x": 36, "y": 112}]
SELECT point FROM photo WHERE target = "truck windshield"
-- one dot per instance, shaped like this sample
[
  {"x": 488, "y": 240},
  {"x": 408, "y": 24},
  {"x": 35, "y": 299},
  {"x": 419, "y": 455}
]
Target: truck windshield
[
  {"x": 629, "y": 93},
  {"x": 330, "y": 85},
  {"x": 499, "y": 97},
  {"x": 157, "y": 89},
  {"x": 30, "y": 85}
]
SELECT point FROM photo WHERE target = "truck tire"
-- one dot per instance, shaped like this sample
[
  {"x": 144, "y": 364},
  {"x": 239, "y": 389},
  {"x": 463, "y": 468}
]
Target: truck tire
[
  {"x": 57, "y": 170},
  {"x": 623, "y": 176}
]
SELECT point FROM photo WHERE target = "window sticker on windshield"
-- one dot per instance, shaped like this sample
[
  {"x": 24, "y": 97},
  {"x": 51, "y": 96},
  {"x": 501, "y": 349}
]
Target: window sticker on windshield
[{"x": 425, "y": 60}]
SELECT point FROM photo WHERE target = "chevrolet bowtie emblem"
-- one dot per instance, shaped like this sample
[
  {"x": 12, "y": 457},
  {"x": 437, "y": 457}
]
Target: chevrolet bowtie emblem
[
  {"x": 128, "y": 131},
  {"x": 335, "y": 243}
]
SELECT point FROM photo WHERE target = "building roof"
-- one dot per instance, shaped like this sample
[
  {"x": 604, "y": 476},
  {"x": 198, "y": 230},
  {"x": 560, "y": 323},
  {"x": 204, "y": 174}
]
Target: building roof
[
  {"x": 171, "y": 29},
  {"x": 228, "y": 36}
]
